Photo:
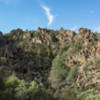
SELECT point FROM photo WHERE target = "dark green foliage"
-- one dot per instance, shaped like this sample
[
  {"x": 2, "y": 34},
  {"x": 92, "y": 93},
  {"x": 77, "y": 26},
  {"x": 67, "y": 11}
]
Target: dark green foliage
[
  {"x": 21, "y": 90},
  {"x": 5, "y": 71}
]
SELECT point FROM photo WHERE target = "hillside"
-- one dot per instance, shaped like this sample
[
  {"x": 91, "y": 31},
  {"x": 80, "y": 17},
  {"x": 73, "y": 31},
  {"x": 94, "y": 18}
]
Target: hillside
[{"x": 65, "y": 62}]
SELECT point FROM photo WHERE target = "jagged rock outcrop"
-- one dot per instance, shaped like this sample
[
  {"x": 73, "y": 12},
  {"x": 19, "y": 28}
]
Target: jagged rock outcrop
[
  {"x": 85, "y": 36},
  {"x": 30, "y": 53},
  {"x": 65, "y": 36}
]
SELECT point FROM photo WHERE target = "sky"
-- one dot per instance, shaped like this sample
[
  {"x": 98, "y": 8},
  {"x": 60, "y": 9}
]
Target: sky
[{"x": 53, "y": 14}]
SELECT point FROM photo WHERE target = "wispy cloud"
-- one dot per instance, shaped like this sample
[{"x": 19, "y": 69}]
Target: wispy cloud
[{"x": 49, "y": 14}]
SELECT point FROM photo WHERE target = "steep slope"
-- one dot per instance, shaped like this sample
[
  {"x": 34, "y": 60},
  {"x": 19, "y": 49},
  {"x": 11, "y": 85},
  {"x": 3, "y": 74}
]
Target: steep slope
[{"x": 30, "y": 54}]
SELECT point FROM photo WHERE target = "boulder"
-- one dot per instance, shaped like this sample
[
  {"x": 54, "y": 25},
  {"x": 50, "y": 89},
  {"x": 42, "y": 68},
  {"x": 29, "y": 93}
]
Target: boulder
[
  {"x": 70, "y": 33},
  {"x": 84, "y": 31}
]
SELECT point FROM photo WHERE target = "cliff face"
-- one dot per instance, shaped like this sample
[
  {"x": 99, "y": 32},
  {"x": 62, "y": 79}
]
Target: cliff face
[{"x": 30, "y": 54}]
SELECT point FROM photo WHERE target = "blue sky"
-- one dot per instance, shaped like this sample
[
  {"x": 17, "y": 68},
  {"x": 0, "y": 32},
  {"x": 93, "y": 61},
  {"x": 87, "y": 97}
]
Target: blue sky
[{"x": 31, "y": 14}]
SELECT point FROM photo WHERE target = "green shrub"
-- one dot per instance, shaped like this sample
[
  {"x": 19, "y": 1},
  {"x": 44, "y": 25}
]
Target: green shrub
[
  {"x": 3, "y": 60},
  {"x": 12, "y": 83},
  {"x": 5, "y": 70},
  {"x": 22, "y": 90},
  {"x": 4, "y": 73},
  {"x": 66, "y": 95},
  {"x": 72, "y": 74},
  {"x": 89, "y": 95},
  {"x": 58, "y": 72}
]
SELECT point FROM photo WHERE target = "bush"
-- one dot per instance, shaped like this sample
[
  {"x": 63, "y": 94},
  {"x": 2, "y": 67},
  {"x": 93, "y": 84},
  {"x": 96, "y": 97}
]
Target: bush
[
  {"x": 72, "y": 74},
  {"x": 58, "y": 72},
  {"x": 4, "y": 73},
  {"x": 22, "y": 90},
  {"x": 11, "y": 84},
  {"x": 68, "y": 95},
  {"x": 5, "y": 70},
  {"x": 89, "y": 95},
  {"x": 3, "y": 60}
]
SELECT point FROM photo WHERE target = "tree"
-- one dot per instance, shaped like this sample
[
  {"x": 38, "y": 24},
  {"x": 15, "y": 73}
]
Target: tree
[{"x": 58, "y": 72}]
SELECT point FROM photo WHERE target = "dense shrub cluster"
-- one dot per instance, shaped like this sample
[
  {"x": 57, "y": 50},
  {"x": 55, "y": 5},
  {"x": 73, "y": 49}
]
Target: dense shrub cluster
[
  {"x": 12, "y": 88},
  {"x": 90, "y": 94}
]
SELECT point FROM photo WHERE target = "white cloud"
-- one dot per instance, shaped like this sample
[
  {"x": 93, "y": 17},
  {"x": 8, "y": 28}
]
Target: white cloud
[
  {"x": 97, "y": 29},
  {"x": 49, "y": 14}
]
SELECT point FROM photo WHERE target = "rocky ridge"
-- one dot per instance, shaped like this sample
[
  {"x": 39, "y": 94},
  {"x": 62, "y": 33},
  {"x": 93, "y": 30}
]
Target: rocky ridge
[{"x": 30, "y": 53}]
